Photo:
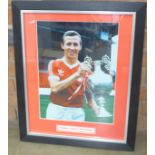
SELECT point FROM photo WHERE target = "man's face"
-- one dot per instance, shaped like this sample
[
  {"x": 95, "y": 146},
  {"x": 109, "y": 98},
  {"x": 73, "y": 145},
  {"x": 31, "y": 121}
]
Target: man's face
[{"x": 71, "y": 47}]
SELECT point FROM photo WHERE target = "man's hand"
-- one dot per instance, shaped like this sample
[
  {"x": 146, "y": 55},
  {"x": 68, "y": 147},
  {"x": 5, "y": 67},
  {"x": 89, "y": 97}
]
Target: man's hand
[{"x": 84, "y": 68}]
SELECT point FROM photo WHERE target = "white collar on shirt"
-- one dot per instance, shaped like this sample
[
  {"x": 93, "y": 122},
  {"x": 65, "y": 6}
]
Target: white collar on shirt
[{"x": 70, "y": 66}]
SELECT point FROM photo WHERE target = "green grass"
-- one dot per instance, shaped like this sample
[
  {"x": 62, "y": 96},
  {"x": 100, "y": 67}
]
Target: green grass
[
  {"x": 90, "y": 116},
  {"x": 44, "y": 101}
]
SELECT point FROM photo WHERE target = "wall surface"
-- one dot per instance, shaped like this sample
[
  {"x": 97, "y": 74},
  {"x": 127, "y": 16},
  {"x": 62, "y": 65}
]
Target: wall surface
[{"x": 13, "y": 111}]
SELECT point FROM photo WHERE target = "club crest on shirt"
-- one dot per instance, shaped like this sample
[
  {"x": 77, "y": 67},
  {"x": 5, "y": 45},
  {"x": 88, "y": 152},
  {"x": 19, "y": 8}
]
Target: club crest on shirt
[{"x": 60, "y": 72}]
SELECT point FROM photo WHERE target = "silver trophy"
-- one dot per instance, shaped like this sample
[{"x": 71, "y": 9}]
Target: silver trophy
[
  {"x": 100, "y": 82},
  {"x": 88, "y": 60}
]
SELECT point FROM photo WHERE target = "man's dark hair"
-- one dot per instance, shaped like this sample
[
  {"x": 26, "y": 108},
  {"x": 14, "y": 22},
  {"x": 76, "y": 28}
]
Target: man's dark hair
[{"x": 72, "y": 33}]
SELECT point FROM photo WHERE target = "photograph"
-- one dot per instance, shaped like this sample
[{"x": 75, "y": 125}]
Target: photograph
[{"x": 77, "y": 70}]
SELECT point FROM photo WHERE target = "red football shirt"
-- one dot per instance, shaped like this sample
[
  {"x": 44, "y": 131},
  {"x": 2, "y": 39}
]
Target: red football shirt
[{"x": 73, "y": 95}]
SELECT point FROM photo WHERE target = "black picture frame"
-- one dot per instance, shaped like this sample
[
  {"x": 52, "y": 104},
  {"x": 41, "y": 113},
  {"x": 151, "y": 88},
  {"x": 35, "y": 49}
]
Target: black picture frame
[{"x": 139, "y": 9}]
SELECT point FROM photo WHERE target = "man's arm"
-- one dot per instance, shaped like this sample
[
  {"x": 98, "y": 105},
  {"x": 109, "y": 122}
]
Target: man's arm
[
  {"x": 91, "y": 102},
  {"x": 56, "y": 85}
]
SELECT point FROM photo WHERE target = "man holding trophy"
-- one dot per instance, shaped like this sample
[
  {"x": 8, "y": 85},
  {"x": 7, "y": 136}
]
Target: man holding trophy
[{"x": 68, "y": 79}]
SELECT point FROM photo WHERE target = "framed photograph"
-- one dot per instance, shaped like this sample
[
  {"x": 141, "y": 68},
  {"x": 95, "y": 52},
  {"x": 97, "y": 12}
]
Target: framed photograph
[{"x": 78, "y": 68}]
